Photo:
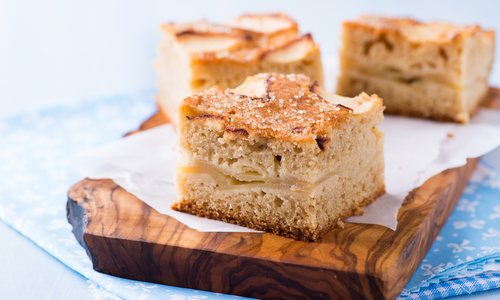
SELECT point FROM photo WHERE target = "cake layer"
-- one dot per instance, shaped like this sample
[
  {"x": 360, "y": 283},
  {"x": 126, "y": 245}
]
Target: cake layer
[
  {"x": 212, "y": 175},
  {"x": 457, "y": 55},
  {"x": 417, "y": 98},
  {"x": 353, "y": 65},
  {"x": 281, "y": 210},
  {"x": 303, "y": 161}
]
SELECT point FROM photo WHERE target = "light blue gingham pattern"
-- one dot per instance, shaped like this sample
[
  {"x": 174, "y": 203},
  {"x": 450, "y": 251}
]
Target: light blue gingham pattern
[
  {"x": 35, "y": 177},
  {"x": 454, "y": 287},
  {"x": 469, "y": 240}
]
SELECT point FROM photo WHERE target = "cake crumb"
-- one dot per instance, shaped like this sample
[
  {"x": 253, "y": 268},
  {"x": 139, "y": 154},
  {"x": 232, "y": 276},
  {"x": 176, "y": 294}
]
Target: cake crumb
[
  {"x": 340, "y": 224},
  {"x": 450, "y": 135},
  {"x": 359, "y": 211}
]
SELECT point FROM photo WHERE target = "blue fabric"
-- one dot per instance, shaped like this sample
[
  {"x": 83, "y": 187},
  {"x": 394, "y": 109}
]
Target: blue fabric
[
  {"x": 470, "y": 238},
  {"x": 454, "y": 287},
  {"x": 35, "y": 177}
]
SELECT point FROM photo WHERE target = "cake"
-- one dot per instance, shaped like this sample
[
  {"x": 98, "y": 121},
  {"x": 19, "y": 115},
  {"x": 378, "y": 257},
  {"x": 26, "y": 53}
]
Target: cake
[
  {"x": 434, "y": 70},
  {"x": 195, "y": 56},
  {"x": 279, "y": 154}
]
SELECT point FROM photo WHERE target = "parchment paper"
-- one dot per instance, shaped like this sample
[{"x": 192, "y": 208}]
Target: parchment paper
[{"x": 415, "y": 150}]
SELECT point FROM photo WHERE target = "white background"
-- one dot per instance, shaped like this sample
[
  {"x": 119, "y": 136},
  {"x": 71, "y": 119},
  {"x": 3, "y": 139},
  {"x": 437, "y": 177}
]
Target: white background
[{"x": 60, "y": 51}]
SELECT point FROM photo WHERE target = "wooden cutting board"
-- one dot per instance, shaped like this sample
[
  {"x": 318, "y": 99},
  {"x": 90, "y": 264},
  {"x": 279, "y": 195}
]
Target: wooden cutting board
[{"x": 125, "y": 237}]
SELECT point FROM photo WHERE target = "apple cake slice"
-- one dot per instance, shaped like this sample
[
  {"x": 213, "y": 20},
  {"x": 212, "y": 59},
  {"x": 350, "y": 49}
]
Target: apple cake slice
[
  {"x": 279, "y": 154},
  {"x": 435, "y": 70},
  {"x": 195, "y": 56}
]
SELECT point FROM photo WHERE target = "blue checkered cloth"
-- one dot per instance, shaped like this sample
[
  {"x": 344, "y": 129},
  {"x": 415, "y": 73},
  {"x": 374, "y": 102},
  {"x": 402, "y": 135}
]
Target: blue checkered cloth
[
  {"x": 468, "y": 244},
  {"x": 35, "y": 177},
  {"x": 458, "y": 286}
]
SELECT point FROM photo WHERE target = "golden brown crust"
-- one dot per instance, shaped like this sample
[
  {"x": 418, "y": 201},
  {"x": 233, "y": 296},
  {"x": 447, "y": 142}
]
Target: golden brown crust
[
  {"x": 249, "y": 45},
  {"x": 417, "y": 31},
  {"x": 280, "y": 16},
  {"x": 245, "y": 52},
  {"x": 304, "y": 234},
  {"x": 203, "y": 117},
  {"x": 235, "y": 131},
  {"x": 291, "y": 111},
  {"x": 201, "y": 28},
  {"x": 265, "y": 52},
  {"x": 205, "y": 27}
]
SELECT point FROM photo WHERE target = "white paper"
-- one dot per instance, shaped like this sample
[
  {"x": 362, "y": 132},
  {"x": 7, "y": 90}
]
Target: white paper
[
  {"x": 415, "y": 150},
  {"x": 144, "y": 165}
]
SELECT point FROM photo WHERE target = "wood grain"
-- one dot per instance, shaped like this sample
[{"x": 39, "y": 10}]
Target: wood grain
[
  {"x": 492, "y": 99},
  {"x": 125, "y": 237}
]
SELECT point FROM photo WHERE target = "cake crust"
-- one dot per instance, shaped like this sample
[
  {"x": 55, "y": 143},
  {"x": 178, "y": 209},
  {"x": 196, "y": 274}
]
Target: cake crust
[
  {"x": 417, "y": 31},
  {"x": 286, "y": 107},
  {"x": 240, "y": 44}
]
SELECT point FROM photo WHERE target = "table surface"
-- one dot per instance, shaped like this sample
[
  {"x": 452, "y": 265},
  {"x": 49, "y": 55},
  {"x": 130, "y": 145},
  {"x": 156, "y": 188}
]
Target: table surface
[{"x": 88, "y": 50}]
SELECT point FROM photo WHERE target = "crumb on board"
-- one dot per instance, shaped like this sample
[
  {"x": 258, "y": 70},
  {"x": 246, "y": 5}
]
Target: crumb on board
[
  {"x": 340, "y": 224},
  {"x": 450, "y": 135}
]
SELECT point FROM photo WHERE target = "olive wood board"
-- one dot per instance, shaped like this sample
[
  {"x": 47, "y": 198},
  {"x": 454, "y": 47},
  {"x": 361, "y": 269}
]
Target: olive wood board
[{"x": 125, "y": 237}]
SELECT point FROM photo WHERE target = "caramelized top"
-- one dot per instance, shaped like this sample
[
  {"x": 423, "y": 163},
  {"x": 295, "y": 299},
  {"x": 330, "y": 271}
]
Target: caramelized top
[
  {"x": 274, "y": 105},
  {"x": 249, "y": 37},
  {"x": 416, "y": 31}
]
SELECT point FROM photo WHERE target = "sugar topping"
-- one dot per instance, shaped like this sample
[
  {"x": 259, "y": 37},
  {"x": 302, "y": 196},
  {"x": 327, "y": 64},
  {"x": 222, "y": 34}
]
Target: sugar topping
[{"x": 271, "y": 105}]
